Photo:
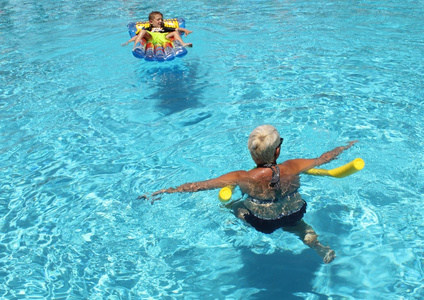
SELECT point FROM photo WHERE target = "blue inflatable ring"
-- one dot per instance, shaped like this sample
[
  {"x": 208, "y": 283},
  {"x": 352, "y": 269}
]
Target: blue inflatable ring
[{"x": 163, "y": 51}]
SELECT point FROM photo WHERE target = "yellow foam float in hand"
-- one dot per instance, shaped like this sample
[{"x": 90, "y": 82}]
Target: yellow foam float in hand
[
  {"x": 225, "y": 193},
  {"x": 348, "y": 169}
]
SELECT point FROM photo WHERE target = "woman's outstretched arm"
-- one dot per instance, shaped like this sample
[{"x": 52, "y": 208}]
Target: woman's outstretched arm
[
  {"x": 231, "y": 178},
  {"x": 300, "y": 165}
]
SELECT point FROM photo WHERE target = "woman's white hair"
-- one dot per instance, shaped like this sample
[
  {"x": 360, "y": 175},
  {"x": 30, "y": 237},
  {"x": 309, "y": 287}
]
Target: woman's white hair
[{"x": 263, "y": 141}]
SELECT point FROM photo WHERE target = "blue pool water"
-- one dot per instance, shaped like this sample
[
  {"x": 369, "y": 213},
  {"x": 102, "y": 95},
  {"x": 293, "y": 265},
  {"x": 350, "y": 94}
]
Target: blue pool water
[{"x": 85, "y": 128}]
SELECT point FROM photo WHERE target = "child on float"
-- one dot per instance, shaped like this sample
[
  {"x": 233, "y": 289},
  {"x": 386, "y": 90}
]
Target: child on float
[{"x": 157, "y": 31}]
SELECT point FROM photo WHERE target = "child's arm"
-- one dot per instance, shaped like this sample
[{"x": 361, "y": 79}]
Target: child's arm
[
  {"x": 185, "y": 31},
  {"x": 129, "y": 41}
]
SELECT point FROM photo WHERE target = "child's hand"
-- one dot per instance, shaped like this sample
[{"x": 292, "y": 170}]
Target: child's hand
[{"x": 188, "y": 32}]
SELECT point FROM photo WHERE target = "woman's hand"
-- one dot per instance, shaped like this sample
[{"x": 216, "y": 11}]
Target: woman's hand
[
  {"x": 350, "y": 144},
  {"x": 154, "y": 197}
]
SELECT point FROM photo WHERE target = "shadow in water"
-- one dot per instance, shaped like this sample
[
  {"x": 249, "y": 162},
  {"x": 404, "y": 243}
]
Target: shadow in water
[
  {"x": 174, "y": 87},
  {"x": 281, "y": 274}
]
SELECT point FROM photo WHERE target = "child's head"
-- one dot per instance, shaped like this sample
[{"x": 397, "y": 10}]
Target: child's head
[
  {"x": 156, "y": 19},
  {"x": 154, "y": 14}
]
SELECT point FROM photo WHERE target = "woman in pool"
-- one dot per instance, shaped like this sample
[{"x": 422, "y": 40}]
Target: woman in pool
[{"x": 273, "y": 200}]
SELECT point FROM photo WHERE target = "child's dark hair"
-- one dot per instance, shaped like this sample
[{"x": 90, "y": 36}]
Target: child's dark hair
[{"x": 153, "y": 14}]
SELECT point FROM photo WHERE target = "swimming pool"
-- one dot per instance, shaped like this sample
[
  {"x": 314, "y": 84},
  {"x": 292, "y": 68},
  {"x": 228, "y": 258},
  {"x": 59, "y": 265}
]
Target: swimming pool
[{"x": 86, "y": 128}]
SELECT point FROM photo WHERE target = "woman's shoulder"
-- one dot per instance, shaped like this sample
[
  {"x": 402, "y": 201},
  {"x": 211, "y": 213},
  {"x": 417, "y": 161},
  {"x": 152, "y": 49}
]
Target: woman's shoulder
[{"x": 291, "y": 166}]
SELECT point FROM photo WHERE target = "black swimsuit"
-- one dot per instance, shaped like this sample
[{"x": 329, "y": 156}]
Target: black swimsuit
[
  {"x": 162, "y": 29},
  {"x": 269, "y": 226},
  {"x": 266, "y": 225}
]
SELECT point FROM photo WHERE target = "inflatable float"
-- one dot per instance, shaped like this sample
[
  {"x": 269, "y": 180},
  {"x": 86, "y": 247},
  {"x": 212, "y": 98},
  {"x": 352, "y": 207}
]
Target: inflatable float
[
  {"x": 160, "y": 50},
  {"x": 348, "y": 169}
]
